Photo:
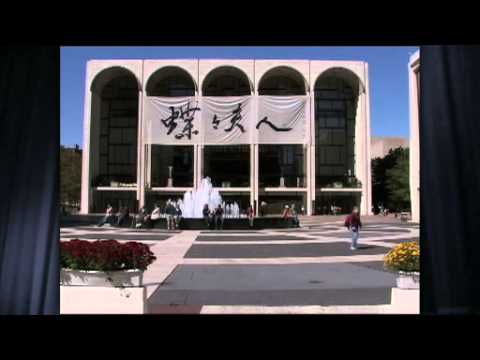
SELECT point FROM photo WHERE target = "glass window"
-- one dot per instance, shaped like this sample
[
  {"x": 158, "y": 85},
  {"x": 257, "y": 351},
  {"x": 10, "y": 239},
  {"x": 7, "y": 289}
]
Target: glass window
[
  {"x": 276, "y": 161},
  {"x": 227, "y": 166},
  {"x": 174, "y": 160},
  {"x": 118, "y": 132},
  {"x": 334, "y": 130}
]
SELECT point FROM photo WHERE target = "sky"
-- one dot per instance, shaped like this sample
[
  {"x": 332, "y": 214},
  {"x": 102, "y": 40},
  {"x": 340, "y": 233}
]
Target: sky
[{"x": 388, "y": 67}]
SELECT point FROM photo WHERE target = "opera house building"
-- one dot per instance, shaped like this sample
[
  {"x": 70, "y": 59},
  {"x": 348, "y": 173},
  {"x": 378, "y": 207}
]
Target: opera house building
[{"x": 273, "y": 131}]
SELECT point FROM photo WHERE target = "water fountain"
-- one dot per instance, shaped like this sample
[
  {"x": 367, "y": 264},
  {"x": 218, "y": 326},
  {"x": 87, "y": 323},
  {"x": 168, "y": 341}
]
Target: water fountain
[
  {"x": 192, "y": 210},
  {"x": 194, "y": 201}
]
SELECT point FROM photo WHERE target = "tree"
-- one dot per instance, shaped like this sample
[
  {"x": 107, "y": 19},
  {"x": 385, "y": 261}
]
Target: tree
[
  {"x": 70, "y": 174},
  {"x": 397, "y": 183},
  {"x": 390, "y": 180}
]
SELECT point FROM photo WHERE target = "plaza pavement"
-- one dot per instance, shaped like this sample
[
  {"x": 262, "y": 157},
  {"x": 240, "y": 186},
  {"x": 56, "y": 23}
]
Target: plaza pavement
[{"x": 310, "y": 270}]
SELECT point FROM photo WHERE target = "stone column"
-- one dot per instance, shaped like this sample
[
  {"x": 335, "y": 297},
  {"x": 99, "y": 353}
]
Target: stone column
[
  {"x": 200, "y": 153},
  {"x": 360, "y": 150},
  {"x": 414, "y": 151},
  {"x": 196, "y": 180},
  {"x": 311, "y": 151},
  {"x": 141, "y": 154},
  {"x": 254, "y": 158},
  {"x": 368, "y": 198},
  {"x": 254, "y": 176},
  {"x": 86, "y": 152},
  {"x": 308, "y": 175}
]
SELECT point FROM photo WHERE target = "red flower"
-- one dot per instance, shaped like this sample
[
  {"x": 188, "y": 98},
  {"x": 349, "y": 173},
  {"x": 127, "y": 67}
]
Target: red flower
[{"x": 105, "y": 255}]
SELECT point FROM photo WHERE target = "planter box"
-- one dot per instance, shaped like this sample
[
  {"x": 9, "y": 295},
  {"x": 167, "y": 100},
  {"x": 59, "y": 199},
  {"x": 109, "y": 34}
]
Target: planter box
[
  {"x": 408, "y": 280},
  {"x": 102, "y": 300},
  {"x": 405, "y": 301},
  {"x": 125, "y": 278}
]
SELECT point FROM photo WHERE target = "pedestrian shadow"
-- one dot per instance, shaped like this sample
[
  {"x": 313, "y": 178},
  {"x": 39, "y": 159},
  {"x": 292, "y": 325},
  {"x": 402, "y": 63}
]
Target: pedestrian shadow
[{"x": 365, "y": 247}]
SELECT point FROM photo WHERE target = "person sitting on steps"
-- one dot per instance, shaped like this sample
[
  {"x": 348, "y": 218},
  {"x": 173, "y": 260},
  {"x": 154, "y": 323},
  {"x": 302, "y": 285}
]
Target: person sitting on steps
[
  {"x": 287, "y": 214},
  {"x": 178, "y": 216},
  {"x": 123, "y": 216},
  {"x": 206, "y": 214},
  {"x": 295, "y": 220},
  {"x": 156, "y": 214},
  {"x": 108, "y": 216},
  {"x": 171, "y": 212}
]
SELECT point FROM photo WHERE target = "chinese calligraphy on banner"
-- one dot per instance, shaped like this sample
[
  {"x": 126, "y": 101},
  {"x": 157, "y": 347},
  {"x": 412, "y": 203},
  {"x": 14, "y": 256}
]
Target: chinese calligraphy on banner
[
  {"x": 172, "y": 120},
  {"x": 281, "y": 120},
  {"x": 226, "y": 120}
]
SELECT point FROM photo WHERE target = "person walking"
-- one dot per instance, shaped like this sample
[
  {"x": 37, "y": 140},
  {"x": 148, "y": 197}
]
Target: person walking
[
  {"x": 353, "y": 224},
  {"x": 219, "y": 217},
  {"x": 250, "y": 215}
]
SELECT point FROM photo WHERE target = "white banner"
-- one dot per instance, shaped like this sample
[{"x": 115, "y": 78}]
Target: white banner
[
  {"x": 281, "y": 120},
  {"x": 172, "y": 120},
  {"x": 227, "y": 120}
]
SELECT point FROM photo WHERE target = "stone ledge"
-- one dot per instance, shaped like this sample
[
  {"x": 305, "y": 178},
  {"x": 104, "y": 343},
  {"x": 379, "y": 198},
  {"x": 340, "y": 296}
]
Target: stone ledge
[{"x": 102, "y": 300}]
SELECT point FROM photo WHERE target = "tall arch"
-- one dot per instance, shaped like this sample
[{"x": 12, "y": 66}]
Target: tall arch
[
  {"x": 282, "y": 80},
  {"x": 226, "y": 81},
  {"x": 171, "y": 81},
  {"x": 113, "y": 135},
  {"x": 106, "y": 75},
  {"x": 336, "y": 93}
]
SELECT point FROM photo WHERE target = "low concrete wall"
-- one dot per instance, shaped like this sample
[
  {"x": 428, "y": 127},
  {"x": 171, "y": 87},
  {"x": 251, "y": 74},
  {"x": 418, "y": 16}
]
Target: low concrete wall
[{"x": 102, "y": 300}]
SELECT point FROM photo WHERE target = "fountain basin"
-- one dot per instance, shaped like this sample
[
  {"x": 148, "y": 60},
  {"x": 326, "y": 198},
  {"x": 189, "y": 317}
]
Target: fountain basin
[{"x": 270, "y": 222}]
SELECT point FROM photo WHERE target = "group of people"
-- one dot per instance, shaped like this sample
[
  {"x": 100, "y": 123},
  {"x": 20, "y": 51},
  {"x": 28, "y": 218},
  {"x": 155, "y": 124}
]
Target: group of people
[
  {"x": 380, "y": 209},
  {"x": 115, "y": 219},
  {"x": 214, "y": 218},
  {"x": 172, "y": 211},
  {"x": 143, "y": 219},
  {"x": 211, "y": 217}
]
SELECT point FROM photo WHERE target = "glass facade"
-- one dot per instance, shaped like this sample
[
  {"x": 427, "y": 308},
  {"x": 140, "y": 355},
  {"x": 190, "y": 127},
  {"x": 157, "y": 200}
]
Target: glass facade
[
  {"x": 115, "y": 198},
  {"x": 277, "y": 161},
  {"x": 227, "y": 166},
  {"x": 170, "y": 81},
  {"x": 175, "y": 160},
  {"x": 282, "y": 81},
  {"x": 117, "y": 152},
  {"x": 226, "y": 81},
  {"x": 335, "y": 112}
]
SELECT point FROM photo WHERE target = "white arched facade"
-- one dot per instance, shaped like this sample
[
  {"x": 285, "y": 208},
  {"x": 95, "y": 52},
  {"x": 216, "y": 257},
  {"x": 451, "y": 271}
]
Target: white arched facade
[{"x": 254, "y": 71}]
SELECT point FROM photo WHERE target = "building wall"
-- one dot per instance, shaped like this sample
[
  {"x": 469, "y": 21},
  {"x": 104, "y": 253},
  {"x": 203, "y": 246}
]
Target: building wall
[
  {"x": 414, "y": 86},
  {"x": 254, "y": 70},
  {"x": 382, "y": 145}
]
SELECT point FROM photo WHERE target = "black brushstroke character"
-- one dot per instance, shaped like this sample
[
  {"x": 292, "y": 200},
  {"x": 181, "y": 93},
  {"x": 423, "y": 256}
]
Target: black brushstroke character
[
  {"x": 170, "y": 121},
  {"x": 187, "y": 119},
  {"x": 265, "y": 121},
  {"x": 186, "y": 115},
  {"x": 235, "y": 119}
]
